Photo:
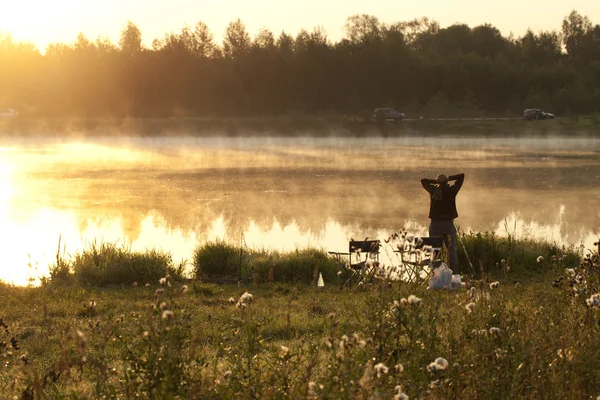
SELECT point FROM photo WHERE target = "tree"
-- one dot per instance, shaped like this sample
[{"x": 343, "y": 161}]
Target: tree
[
  {"x": 363, "y": 28},
  {"x": 574, "y": 29},
  {"x": 130, "y": 41},
  {"x": 237, "y": 41}
]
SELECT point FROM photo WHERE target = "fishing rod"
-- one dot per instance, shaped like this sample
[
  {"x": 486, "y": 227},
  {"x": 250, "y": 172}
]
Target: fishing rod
[{"x": 464, "y": 248}]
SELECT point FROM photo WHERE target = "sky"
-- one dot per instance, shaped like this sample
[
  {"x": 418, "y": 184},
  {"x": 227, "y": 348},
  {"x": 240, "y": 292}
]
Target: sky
[{"x": 45, "y": 21}]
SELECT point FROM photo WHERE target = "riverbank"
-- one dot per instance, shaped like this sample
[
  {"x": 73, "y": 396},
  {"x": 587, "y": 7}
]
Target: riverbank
[{"x": 329, "y": 125}]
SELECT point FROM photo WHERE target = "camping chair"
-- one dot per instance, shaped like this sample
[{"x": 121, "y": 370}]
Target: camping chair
[
  {"x": 419, "y": 257},
  {"x": 356, "y": 263}
]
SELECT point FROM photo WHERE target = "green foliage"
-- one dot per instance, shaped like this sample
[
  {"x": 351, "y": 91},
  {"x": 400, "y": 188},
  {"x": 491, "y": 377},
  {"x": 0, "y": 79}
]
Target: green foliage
[
  {"x": 108, "y": 264},
  {"x": 219, "y": 260},
  {"x": 284, "y": 341},
  {"x": 502, "y": 256}
]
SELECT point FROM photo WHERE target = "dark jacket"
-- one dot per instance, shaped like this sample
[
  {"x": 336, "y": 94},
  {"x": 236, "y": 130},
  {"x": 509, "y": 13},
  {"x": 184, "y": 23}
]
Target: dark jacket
[{"x": 444, "y": 209}]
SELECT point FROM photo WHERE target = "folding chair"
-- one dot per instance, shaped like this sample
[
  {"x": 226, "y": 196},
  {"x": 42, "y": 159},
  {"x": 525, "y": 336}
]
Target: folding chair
[
  {"x": 355, "y": 263},
  {"x": 419, "y": 257}
]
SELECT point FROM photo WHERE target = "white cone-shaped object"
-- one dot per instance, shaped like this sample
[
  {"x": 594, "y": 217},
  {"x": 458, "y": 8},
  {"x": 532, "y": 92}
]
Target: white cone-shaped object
[{"x": 320, "y": 282}]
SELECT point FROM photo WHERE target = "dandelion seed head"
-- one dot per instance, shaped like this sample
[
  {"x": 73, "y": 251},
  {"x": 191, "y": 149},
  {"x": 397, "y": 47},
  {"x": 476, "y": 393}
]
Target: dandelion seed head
[
  {"x": 494, "y": 285},
  {"x": 494, "y": 330},
  {"x": 227, "y": 374},
  {"x": 162, "y": 281},
  {"x": 246, "y": 298},
  {"x": 399, "y": 368},
  {"x": 184, "y": 288},
  {"x": 470, "y": 307},
  {"x": 134, "y": 284},
  {"x": 380, "y": 369},
  {"x": 147, "y": 285},
  {"x": 540, "y": 259},
  {"x": 167, "y": 315},
  {"x": 163, "y": 306},
  {"x": 414, "y": 300},
  {"x": 232, "y": 300}
]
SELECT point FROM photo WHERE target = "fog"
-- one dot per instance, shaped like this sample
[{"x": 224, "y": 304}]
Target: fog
[{"x": 281, "y": 193}]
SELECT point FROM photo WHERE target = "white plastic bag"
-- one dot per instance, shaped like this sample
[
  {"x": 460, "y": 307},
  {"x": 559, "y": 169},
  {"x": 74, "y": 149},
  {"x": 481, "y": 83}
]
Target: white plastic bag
[
  {"x": 456, "y": 282},
  {"x": 442, "y": 278}
]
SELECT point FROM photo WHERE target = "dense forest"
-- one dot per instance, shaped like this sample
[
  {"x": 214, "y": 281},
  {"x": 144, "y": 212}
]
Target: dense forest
[{"x": 414, "y": 66}]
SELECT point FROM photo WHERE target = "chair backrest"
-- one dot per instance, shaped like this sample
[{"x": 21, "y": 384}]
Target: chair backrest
[
  {"x": 434, "y": 241},
  {"x": 365, "y": 246}
]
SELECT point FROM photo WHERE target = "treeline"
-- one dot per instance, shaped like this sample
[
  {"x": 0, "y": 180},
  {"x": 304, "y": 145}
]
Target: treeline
[{"x": 415, "y": 66}]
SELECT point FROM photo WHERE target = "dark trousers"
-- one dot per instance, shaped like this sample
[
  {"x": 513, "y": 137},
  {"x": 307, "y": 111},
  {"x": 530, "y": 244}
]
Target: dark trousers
[{"x": 446, "y": 229}]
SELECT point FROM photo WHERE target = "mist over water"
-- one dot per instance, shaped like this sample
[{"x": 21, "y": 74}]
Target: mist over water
[{"x": 281, "y": 193}]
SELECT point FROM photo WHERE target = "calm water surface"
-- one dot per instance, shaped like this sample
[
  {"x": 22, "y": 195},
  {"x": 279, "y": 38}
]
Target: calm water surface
[{"x": 281, "y": 193}]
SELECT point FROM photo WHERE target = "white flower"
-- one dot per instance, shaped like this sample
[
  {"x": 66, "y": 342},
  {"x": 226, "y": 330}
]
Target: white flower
[
  {"x": 231, "y": 300},
  {"x": 167, "y": 315},
  {"x": 162, "y": 281},
  {"x": 184, "y": 288},
  {"x": 246, "y": 298},
  {"x": 399, "y": 394},
  {"x": 540, "y": 259},
  {"x": 147, "y": 285},
  {"x": 339, "y": 273},
  {"x": 227, "y": 374},
  {"x": 380, "y": 369},
  {"x": 159, "y": 292},
  {"x": 500, "y": 353},
  {"x": 594, "y": 300},
  {"x": 399, "y": 368},
  {"x": 414, "y": 300},
  {"x": 470, "y": 307},
  {"x": 284, "y": 350},
  {"x": 494, "y": 330},
  {"x": 439, "y": 364},
  {"x": 494, "y": 285},
  {"x": 570, "y": 272},
  {"x": 163, "y": 305}
]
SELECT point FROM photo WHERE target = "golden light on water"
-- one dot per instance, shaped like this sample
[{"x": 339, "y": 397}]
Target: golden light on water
[{"x": 173, "y": 195}]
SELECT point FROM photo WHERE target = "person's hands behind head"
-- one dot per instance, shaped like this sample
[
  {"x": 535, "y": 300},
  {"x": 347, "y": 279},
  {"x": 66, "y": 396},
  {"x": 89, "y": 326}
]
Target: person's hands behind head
[{"x": 441, "y": 178}]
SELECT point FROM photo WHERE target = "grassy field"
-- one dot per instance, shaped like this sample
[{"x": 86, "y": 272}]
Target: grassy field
[
  {"x": 290, "y": 125},
  {"x": 530, "y": 331}
]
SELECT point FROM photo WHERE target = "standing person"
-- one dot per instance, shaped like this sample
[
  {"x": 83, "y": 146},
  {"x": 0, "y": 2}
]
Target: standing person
[{"x": 442, "y": 211}]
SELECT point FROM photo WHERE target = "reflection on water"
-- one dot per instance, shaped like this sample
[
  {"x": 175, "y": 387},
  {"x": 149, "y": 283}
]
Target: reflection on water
[{"x": 281, "y": 194}]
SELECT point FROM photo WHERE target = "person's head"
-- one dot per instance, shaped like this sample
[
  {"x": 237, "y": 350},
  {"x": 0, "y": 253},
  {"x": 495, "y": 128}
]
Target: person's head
[{"x": 442, "y": 178}]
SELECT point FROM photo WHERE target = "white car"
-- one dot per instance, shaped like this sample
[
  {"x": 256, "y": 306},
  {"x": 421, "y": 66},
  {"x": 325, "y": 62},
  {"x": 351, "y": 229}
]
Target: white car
[{"x": 8, "y": 113}]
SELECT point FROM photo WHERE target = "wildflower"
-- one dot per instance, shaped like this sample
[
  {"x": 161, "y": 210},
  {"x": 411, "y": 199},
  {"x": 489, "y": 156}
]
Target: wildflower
[
  {"x": 311, "y": 389},
  {"x": 362, "y": 343},
  {"x": 500, "y": 353},
  {"x": 414, "y": 300},
  {"x": 570, "y": 272},
  {"x": 339, "y": 273},
  {"x": 162, "y": 281},
  {"x": 147, "y": 285},
  {"x": 594, "y": 300},
  {"x": 134, "y": 284},
  {"x": 163, "y": 305},
  {"x": 439, "y": 364},
  {"x": 246, "y": 298},
  {"x": 434, "y": 384},
  {"x": 331, "y": 315},
  {"x": 146, "y": 334},
  {"x": 494, "y": 285},
  {"x": 399, "y": 368},
  {"x": 399, "y": 394},
  {"x": 81, "y": 341},
  {"x": 159, "y": 292},
  {"x": 503, "y": 261},
  {"x": 227, "y": 374},
  {"x": 380, "y": 369},
  {"x": 470, "y": 307},
  {"x": 184, "y": 288},
  {"x": 239, "y": 304},
  {"x": 494, "y": 330},
  {"x": 540, "y": 259},
  {"x": 284, "y": 351},
  {"x": 167, "y": 315},
  {"x": 231, "y": 300},
  {"x": 456, "y": 365},
  {"x": 566, "y": 354},
  {"x": 403, "y": 301}
]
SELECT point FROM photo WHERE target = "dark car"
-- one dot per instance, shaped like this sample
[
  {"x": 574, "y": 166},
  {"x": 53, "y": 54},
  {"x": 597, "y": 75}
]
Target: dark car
[
  {"x": 535, "y": 113},
  {"x": 387, "y": 114}
]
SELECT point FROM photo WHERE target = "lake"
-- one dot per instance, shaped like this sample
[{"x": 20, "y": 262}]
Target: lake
[{"x": 281, "y": 193}]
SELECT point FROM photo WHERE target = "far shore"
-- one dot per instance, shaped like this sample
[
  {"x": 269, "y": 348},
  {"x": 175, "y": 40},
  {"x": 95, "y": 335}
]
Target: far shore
[{"x": 297, "y": 125}]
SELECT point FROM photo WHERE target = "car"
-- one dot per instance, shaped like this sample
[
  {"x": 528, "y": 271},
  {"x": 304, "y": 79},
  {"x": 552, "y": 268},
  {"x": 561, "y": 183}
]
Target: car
[
  {"x": 387, "y": 114},
  {"x": 535, "y": 113},
  {"x": 8, "y": 113}
]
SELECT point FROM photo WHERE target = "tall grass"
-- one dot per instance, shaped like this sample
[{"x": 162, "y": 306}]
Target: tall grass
[
  {"x": 495, "y": 255},
  {"x": 220, "y": 260},
  {"x": 107, "y": 264}
]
